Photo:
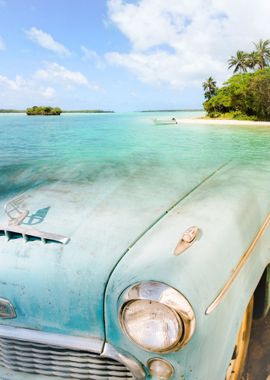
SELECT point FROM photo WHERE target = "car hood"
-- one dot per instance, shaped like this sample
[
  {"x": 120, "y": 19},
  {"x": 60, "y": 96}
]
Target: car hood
[
  {"x": 230, "y": 209},
  {"x": 60, "y": 288}
]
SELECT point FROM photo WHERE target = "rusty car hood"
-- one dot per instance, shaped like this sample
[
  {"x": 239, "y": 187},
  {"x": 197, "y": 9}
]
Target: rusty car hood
[{"x": 60, "y": 288}]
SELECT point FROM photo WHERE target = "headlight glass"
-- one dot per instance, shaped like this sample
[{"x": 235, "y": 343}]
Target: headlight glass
[
  {"x": 156, "y": 317},
  {"x": 152, "y": 325}
]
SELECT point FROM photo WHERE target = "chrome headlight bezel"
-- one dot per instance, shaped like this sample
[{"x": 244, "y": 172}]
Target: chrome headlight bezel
[{"x": 168, "y": 296}]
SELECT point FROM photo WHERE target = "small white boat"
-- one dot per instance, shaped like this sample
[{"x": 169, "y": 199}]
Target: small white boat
[{"x": 165, "y": 121}]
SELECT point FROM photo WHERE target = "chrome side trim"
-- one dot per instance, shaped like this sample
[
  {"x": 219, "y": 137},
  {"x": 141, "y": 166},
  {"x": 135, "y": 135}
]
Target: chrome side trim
[
  {"x": 131, "y": 363},
  {"x": 238, "y": 268},
  {"x": 65, "y": 341}
]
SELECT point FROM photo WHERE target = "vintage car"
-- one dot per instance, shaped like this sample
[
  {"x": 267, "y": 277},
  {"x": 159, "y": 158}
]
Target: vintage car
[{"x": 92, "y": 289}]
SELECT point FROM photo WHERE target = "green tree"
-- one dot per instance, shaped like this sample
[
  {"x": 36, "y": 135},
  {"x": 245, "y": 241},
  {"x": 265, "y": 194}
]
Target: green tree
[
  {"x": 47, "y": 110},
  {"x": 57, "y": 110},
  {"x": 260, "y": 94},
  {"x": 252, "y": 60},
  {"x": 40, "y": 110},
  {"x": 243, "y": 96},
  {"x": 231, "y": 97},
  {"x": 263, "y": 53},
  {"x": 210, "y": 88},
  {"x": 239, "y": 62}
]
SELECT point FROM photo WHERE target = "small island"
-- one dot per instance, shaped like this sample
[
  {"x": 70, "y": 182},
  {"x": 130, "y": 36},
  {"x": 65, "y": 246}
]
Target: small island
[
  {"x": 246, "y": 95},
  {"x": 43, "y": 111}
]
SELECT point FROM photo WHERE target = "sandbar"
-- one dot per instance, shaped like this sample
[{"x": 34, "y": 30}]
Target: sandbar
[{"x": 222, "y": 122}]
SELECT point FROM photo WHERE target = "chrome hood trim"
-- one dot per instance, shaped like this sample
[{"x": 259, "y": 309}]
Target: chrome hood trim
[
  {"x": 238, "y": 268},
  {"x": 65, "y": 341}
]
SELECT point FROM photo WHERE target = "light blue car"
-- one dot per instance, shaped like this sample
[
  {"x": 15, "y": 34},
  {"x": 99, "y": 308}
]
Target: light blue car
[
  {"x": 130, "y": 249},
  {"x": 90, "y": 289}
]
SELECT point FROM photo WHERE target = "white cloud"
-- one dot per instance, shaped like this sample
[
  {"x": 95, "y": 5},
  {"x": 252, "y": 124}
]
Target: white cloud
[
  {"x": 160, "y": 66},
  {"x": 21, "y": 86},
  {"x": 2, "y": 44},
  {"x": 46, "y": 41},
  {"x": 88, "y": 53},
  {"x": 12, "y": 84},
  {"x": 91, "y": 55},
  {"x": 53, "y": 72},
  {"x": 48, "y": 92},
  {"x": 182, "y": 42},
  {"x": 53, "y": 82}
]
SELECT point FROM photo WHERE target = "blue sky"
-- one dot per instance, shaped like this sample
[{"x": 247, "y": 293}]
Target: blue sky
[{"x": 120, "y": 55}]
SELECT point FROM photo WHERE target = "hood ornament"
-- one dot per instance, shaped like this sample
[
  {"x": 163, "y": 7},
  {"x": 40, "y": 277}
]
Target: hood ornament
[
  {"x": 14, "y": 210},
  {"x": 17, "y": 213},
  {"x": 188, "y": 238},
  {"x": 7, "y": 310}
]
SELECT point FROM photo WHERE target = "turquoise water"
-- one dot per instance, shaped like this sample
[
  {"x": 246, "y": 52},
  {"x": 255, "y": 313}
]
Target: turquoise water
[{"x": 112, "y": 148}]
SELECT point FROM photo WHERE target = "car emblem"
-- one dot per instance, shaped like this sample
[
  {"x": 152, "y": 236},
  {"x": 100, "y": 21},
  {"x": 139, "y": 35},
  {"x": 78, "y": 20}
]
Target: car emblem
[
  {"x": 188, "y": 238},
  {"x": 7, "y": 310}
]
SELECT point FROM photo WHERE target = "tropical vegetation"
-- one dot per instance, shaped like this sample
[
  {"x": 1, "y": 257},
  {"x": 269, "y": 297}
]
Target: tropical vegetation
[
  {"x": 246, "y": 95},
  {"x": 210, "y": 88},
  {"x": 44, "y": 111}
]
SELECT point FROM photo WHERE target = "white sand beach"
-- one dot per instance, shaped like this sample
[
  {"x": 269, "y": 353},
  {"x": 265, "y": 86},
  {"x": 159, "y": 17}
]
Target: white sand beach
[{"x": 222, "y": 122}]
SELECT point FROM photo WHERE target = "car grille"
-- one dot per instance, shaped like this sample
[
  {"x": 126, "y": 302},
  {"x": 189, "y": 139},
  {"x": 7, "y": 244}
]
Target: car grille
[{"x": 41, "y": 359}]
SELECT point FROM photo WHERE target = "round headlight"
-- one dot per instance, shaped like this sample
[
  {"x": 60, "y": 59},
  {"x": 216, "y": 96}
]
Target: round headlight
[
  {"x": 156, "y": 317},
  {"x": 152, "y": 325}
]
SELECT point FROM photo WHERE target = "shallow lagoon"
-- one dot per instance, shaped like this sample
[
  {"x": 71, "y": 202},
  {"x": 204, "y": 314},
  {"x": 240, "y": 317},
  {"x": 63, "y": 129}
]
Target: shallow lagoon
[{"x": 115, "y": 150}]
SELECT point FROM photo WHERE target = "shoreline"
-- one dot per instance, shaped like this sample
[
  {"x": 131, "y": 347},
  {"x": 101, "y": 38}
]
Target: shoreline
[{"x": 222, "y": 122}]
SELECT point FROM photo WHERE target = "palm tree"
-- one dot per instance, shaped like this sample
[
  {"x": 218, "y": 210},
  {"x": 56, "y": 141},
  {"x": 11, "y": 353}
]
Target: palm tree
[
  {"x": 263, "y": 52},
  {"x": 210, "y": 88},
  {"x": 239, "y": 62},
  {"x": 252, "y": 60}
]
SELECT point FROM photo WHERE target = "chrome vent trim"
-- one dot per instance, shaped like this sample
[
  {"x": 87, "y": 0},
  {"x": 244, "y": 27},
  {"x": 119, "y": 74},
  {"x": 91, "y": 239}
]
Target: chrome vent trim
[
  {"x": 29, "y": 234},
  {"x": 25, "y": 350},
  {"x": 40, "y": 359}
]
